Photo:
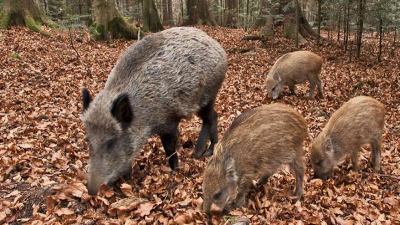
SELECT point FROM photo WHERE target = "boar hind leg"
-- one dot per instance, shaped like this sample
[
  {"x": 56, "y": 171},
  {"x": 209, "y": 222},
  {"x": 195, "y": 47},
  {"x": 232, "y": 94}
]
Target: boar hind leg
[
  {"x": 208, "y": 131},
  {"x": 319, "y": 85},
  {"x": 169, "y": 140},
  {"x": 312, "y": 88},
  {"x": 376, "y": 154},
  {"x": 292, "y": 89},
  {"x": 298, "y": 167}
]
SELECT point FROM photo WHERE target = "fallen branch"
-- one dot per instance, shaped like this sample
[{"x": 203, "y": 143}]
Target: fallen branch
[
  {"x": 382, "y": 175},
  {"x": 251, "y": 37}
]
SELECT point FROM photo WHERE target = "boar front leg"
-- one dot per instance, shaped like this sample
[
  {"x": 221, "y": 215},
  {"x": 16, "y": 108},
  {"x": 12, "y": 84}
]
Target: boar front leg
[
  {"x": 312, "y": 88},
  {"x": 376, "y": 154},
  {"x": 292, "y": 88},
  {"x": 208, "y": 131},
  {"x": 169, "y": 140},
  {"x": 319, "y": 85}
]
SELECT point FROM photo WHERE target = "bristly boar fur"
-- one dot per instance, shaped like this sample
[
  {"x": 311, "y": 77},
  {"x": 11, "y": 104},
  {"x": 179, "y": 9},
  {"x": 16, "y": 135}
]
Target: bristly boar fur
[
  {"x": 359, "y": 121},
  {"x": 256, "y": 145},
  {"x": 156, "y": 82},
  {"x": 295, "y": 68}
]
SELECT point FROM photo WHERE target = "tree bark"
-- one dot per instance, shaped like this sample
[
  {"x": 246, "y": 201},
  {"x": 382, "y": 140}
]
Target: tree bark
[
  {"x": 262, "y": 14},
  {"x": 151, "y": 20},
  {"x": 339, "y": 23},
  {"x": 23, "y": 12},
  {"x": 231, "y": 18},
  {"x": 167, "y": 13},
  {"x": 319, "y": 2},
  {"x": 304, "y": 30},
  {"x": 380, "y": 39},
  {"x": 347, "y": 26},
  {"x": 108, "y": 22},
  {"x": 297, "y": 8},
  {"x": 199, "y": 13},
  {"x": 361, "y": 12}
]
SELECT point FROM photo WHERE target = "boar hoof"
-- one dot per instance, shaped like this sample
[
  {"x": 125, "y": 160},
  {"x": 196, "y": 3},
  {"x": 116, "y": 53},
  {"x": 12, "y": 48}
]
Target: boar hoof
[
  {"x": 198, "y": 153},
  {"x": 173, "y": 163}
]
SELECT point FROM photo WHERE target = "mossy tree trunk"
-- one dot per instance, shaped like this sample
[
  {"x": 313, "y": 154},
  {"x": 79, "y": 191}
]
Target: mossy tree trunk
[
  {"x": 151, "y": 20},
  {"x": 263, "y": 14},
  {"x": 231, "y": 17},
  {"x": 23, "y": 13},
  {"x": 295, "y": 23},
  {"x": 108, "y": 22},
  {"x": 199, "y": 13}
]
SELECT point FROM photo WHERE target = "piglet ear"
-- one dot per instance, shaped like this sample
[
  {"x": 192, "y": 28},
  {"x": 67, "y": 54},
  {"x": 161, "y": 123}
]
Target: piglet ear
[
  {"x": 86, "y": 98},
  {"x": 329, "y": 145},
  {"x": 121, "y": 110},
  {"x": 231, "y": 174}
]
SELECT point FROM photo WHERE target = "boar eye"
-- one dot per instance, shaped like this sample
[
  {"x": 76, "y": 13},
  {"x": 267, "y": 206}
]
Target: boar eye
[
  {"x": 110, "y": 143},
  {"x": 217, "y": 195}
]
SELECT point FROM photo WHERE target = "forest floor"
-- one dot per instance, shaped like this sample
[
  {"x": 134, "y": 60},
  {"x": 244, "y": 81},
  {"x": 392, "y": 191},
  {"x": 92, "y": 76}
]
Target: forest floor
[{"x": 44, "y": 155}]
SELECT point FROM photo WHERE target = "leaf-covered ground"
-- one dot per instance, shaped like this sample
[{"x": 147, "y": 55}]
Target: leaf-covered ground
[{"x": 43, "y": 153}]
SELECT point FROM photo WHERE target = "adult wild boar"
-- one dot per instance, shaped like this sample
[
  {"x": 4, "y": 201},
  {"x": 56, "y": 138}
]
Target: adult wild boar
[
  {"x": 295, "y": 68},
  {"x": 156, "y": 82},
  {"x": 256, "y": 145},
  {"x": 359, "y": 121}
]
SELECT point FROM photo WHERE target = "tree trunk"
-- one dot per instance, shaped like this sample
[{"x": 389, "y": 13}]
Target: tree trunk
[
  {"x": 319, "y": 2},
  {"x": 56, "y": 8},
  {"x": 297, "y": 8},
  {"x": 247, "y": 14},
  {"x": 108, "y": 23},
  {"x": 167, "y": 12},
  {"x": 23, "y": 12},
  {"x": 199, "y": 13},
  {"x": 262, "y": 15},
  {"x": 361, "y": 11},
  {"x": 339, "y": 23},
  {"x": 231, "y": 18},
  {"x": 380, "y": 39},
  {"x": 170, "y": 13},
  {"x": 164, "y": 4},
  {"x": 304, "y": 28},
  {"x": 151, "y": 20},
  {"x": 347, "y": 26}
]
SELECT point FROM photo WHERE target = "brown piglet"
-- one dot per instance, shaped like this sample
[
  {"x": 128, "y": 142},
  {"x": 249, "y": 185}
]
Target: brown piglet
[
  {"x": 359, "y": 121},
  {"x": 256, "y": 145},
  {"x": 295, "y": 68}
]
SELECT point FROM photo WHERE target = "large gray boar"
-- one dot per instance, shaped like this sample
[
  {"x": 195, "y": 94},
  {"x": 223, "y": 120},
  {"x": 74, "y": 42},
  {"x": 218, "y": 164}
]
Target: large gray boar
[
  {"x": 359, "y": 121},
  {"x": 295, "y": 68},
  {"x": 156, "y": 82},
  {"x": 256, "y": 145}
]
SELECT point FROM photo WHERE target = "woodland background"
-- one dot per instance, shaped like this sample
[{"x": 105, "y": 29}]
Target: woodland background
[{"x": 61, "y": 46}]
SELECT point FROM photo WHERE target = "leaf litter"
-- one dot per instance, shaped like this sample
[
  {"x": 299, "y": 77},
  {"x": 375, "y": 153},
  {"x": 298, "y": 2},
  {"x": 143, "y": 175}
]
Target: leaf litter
[{"x": 43, "y": 153}]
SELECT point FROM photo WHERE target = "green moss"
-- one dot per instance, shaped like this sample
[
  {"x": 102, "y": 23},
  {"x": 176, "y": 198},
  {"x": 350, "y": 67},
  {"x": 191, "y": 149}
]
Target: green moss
[
  {"x": 15, "y": 55},
  {"x": 34, "y": 26},
  {"x": 31, "y": 24},
  {"x": 119, "y": 28},
  {"x": 4, "y": 20},
  {"x": 97, "y": 31}
]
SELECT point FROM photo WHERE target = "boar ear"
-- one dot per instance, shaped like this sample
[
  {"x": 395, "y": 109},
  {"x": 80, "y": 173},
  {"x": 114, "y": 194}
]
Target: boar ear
[
  {"x": 279, "y": 78},
  {"x": 86, "y": 98},
  {"x": 329, "y": 145},
  {"x": 230, "y": 169},
  {"x": 121, "y": 110}
]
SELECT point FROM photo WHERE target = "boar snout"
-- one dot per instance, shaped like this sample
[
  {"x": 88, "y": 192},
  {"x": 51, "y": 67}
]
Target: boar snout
[
  {"x": 94, "y": 183},
  {"x": 322, "y": 176}
]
